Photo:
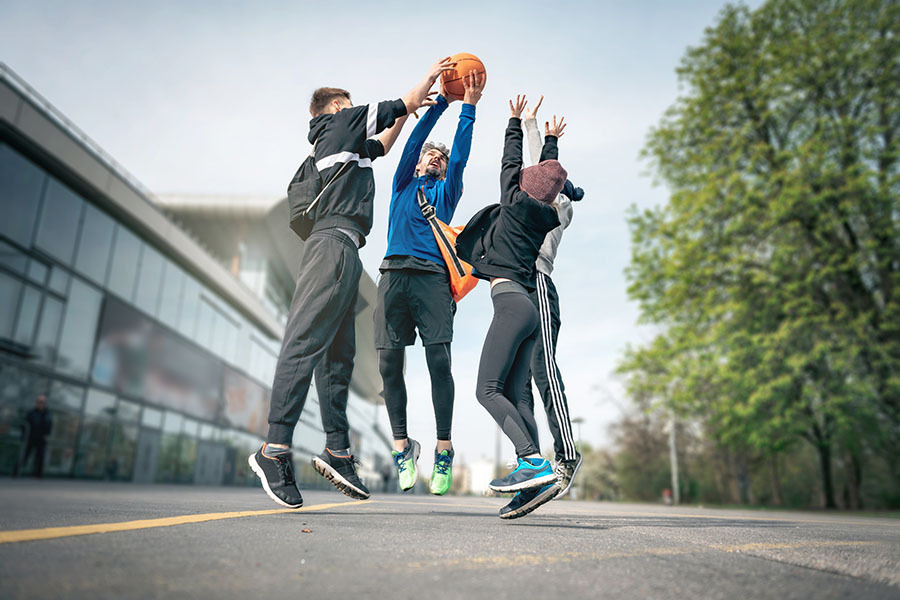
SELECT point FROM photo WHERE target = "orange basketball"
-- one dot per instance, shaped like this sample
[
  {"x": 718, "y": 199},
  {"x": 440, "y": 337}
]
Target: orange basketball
[{"x": 453, "y": 80}]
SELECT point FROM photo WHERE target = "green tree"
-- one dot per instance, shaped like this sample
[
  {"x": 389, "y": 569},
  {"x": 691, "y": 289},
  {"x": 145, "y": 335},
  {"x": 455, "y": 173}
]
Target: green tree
[{"x": 773, "y": 270}]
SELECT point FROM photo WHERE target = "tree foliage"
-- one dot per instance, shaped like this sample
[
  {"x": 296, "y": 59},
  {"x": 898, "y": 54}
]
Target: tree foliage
[{"x": 773, "y": 271}]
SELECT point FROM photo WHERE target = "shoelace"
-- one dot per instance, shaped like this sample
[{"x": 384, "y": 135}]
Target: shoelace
[
  {"x": 285, "y": 470},
  {"x": 443, "y": 463},
  {"x": 400, "y": 462}
]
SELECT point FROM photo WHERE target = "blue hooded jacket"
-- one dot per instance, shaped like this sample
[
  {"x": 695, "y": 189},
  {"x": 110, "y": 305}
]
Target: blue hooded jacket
[{"x": 409, "y": 234}]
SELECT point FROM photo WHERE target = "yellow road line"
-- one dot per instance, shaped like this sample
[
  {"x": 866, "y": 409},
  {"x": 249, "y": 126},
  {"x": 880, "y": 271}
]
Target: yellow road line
[{"x": 27, "y": 535}]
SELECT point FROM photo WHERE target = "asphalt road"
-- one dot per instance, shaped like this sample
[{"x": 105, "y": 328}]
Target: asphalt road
[{"x": 67, "y": 539}]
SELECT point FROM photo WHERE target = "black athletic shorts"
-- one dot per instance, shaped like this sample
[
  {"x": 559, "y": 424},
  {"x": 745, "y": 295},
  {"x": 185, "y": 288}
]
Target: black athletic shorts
[{"x": 409, "y": 300}]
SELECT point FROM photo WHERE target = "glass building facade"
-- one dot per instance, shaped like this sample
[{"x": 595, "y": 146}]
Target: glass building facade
[{"x": 150, "y": 374}]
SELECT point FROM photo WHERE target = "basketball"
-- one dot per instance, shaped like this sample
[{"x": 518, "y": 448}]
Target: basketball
[{"x": 453, "y": 80}]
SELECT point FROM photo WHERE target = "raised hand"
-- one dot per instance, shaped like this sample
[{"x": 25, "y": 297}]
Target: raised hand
[
  {"x": 531, "y": 113},
  {"x": 473, "y": 83},
  {"x": 557, "y": 129},
  {"x": 517, "y": 108},
  {"x": 445, "y": 64},
  {"x": 428, "y": 100}
]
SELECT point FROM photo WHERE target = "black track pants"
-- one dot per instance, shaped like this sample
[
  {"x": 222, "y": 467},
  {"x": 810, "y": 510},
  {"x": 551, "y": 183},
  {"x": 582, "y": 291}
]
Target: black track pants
[
  {"x": 320, "y": 338},
  {"x": 545, "y": 371}
]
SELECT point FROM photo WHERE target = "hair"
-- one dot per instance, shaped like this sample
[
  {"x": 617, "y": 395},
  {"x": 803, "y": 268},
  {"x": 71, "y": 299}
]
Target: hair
[
  {"x": 435, "y": 146},
  {"x": 323, "y": 96}
]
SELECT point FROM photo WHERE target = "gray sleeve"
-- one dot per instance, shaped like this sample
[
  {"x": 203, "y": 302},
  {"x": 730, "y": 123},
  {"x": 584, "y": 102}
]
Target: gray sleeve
[{"x": 534, "y": 140}]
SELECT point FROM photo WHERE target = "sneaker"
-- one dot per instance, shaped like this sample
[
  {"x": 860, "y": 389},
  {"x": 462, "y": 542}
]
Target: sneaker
[
  {"x": 341, "y": 471},
  {"x": 405, "y": 461},
  {"x": 277, "y": 476},
  {"x": 526, "y": 501},
  {"x": 525, "y": 477},
  {"x": 565, "y": 472},
  {"x": 442, "y": 475}
]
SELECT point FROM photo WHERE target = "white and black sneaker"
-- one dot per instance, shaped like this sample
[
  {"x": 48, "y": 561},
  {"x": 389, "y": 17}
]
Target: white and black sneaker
[
  {"x": 277, "y": 475},
  {"x": 565, "y": 472},
  {"x": 341, "y": 471}
]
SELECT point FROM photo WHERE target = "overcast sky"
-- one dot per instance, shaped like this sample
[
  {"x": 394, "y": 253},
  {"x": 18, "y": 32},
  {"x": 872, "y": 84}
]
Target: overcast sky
[{"x": 212, "y": 97}]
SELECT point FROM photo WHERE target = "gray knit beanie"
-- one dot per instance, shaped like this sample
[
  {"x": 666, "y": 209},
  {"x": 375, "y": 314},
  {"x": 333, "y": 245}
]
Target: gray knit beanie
[{"x": 543, "y": 181}]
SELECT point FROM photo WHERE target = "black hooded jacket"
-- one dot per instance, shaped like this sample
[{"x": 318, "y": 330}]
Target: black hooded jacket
[
  {"x": 344, "y": 151},
  {"x": 503, "y": 240}
]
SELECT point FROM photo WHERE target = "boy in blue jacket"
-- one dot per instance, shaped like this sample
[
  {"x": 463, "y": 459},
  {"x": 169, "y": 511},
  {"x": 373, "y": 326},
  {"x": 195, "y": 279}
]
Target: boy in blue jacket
[{"x": 414, "y": 288}]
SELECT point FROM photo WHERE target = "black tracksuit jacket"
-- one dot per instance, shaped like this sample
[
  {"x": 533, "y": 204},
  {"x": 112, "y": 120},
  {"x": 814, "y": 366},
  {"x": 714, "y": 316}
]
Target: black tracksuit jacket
[
  {"x": 343, "y": 139},
  {"x": 503, "y": 240}
]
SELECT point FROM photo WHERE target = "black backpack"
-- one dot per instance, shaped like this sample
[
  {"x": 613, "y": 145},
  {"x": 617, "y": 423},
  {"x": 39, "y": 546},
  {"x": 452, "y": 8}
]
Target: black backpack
[{"x": 304, "y": 192}]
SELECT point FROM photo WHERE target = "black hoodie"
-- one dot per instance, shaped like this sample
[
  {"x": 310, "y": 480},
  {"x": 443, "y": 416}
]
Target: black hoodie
[
  {"x": 344, "y": 151},
  {"x": 503, "y": 240}
]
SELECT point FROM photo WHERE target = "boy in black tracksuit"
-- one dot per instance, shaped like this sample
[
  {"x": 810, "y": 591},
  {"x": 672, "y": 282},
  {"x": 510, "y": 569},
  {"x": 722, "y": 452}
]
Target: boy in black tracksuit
[
  {"x": 320, "y": 332},
  {"x": 502, "y": 243}
]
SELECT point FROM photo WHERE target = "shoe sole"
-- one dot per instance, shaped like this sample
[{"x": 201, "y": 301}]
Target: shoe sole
[
  {"x": 571, "y": 479},
  {"x": 416, "y": 450},
  {"x": 538, "y": 501},
  {"x": 337, "y": 480},
  {"x": 526, "y": 485},
  {"x": 265, "y": 483}
]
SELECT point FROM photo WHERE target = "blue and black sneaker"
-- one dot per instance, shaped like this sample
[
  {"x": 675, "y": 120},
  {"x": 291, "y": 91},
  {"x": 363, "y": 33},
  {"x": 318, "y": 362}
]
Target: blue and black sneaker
[
  {"x": 530, "y": 473},
  {"x": 526, "y": 501}
]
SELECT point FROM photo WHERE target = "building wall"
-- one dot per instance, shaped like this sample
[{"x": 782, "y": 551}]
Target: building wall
[{"x": 152, "y": 375}]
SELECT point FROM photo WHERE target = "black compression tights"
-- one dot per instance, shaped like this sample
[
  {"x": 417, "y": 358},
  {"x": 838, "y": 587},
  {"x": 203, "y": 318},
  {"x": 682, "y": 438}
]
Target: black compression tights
[{"x": 390, "y": 363}]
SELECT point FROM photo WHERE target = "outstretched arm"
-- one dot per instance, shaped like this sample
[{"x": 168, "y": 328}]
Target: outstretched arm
[
  {"x": 551, "y": 137},
  {"x": 532, "y": 132},
  {"x": 406, "y": 168},
  {"x": 511, "y": 164},
  {"x": 462, "y": 145},
  {"x": 418, "y": 96}
]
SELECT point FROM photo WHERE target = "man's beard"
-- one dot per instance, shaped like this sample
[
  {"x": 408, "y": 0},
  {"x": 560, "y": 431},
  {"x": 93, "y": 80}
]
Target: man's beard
[{"x": 433, "y": 172}]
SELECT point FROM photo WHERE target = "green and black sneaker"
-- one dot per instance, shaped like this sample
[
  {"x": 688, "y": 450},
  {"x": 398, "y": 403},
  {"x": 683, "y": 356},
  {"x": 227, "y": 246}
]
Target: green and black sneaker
[
  {"x": 442, "y": 475},
  {"x": 406, "y": 464}
]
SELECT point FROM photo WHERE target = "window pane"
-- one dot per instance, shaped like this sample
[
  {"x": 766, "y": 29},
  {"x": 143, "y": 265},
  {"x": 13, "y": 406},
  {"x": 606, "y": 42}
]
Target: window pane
[
  {"x": 60, "y": 218},
  {"x": 64, "y": 402},
  {"x": 128, "y": 412},
  {"x": 173, "y": 282},
  {"x": 95, "y": 245},
  {"x": 79, "y": 329},
  {"x": 37, "y": 271},
  {"x": 48, "y": 331},
  {"x": 95, "y": 434},
  {"x": 123, "y": 270},
  {"x": 59, "y": 281},
  {"x": 9, "y": 301},
  {"x": 99, "y": 404},
  {"x": 149, "y": 281},
  {"x": 151, "y": 418},
  {"x": 190, "y": 306},
  {"x": 20, "y": 186},
  {"x": 12, "y": 258},
  {"x": 28, "y": 312}
]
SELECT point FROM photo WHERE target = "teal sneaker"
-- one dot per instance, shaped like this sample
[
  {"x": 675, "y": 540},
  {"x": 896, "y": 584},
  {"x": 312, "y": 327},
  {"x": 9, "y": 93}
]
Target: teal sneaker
[
  {"x": 442, "y": 475},
  {"x": 406, "y": 464},
  {"x": 529, "y": 474}
]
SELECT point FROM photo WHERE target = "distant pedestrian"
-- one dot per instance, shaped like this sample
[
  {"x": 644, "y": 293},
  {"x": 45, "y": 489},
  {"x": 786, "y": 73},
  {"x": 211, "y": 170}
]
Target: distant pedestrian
[
  {"x": 320, "y": 334},
  {"x": 502, "y": 243},
  {"x": 36, "y": 428}
]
